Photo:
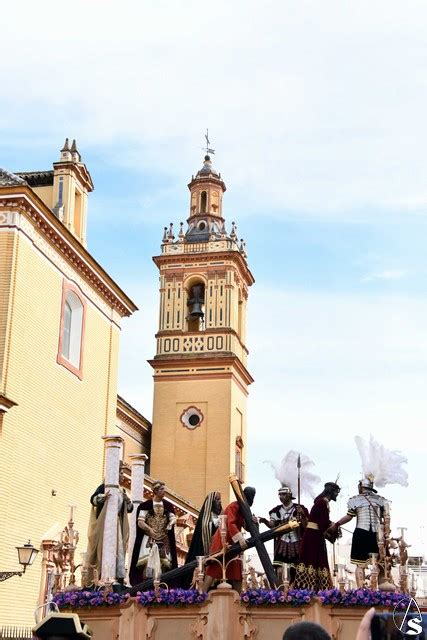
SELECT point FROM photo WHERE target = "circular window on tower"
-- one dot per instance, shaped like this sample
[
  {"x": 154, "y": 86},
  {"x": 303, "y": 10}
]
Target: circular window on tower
[
  {"x": 192, "y": 418},
  {"x": 202, "y": 225}
]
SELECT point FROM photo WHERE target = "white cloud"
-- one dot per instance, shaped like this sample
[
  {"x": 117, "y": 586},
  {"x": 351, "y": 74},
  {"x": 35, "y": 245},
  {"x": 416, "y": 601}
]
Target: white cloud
[
  {"x": 387, "y": 274},
  {"x": 314, "y": 107}
]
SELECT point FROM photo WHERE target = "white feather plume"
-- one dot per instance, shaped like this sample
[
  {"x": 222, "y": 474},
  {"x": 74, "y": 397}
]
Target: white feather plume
[
  {"x": 382, "y": 465},
  {"x": 286, "y": 473}
]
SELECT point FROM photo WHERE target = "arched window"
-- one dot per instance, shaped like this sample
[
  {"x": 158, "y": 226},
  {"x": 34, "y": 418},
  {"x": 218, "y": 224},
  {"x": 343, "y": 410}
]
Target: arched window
[
  {"x": 71, "y": 334},
  {"x": 195, "y": 306},
  {"x": 203, "y": 201},
  {"x": 68, "y": 313}
]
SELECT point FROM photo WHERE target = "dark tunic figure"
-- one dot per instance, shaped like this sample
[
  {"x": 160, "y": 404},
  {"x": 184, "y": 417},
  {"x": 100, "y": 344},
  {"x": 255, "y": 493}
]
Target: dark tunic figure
[
  {"x": 206, "y": 525},
  {"x": 313, "y": 568}
]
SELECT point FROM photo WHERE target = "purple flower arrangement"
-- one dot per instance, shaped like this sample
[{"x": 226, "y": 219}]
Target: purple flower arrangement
[
  {"x": 294, "y": 597},
  {"x": 77, "y": 599},
  {"x": 298, "y": 597},
  {"x": 362, "y": 597},
  {"x": 181, "y": 597},
  {"x": 171, "y": 597}
]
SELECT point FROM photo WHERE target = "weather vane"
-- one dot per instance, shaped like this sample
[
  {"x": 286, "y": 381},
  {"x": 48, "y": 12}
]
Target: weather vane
[{"x": 208, "y": 149}]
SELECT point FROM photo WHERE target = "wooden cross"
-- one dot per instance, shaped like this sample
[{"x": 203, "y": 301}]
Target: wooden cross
[{"x": 253, "y": 529}]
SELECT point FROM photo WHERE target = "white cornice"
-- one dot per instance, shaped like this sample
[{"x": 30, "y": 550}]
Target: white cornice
[{"x": 15, "y": 203}]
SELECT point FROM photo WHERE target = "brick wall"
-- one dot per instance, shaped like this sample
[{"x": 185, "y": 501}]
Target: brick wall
[{"x": 52, "y": 439}]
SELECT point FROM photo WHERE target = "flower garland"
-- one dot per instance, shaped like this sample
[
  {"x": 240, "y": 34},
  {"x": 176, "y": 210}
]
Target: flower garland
[
  {"x": 170, "y": 597},
  {"x": 361, "y": 597},
  {"x": 294, "y": 597},
  {"x": 77, "y": 599},
  {"x": 298, "y": 597},
  {"x": 257, "y": 597}
]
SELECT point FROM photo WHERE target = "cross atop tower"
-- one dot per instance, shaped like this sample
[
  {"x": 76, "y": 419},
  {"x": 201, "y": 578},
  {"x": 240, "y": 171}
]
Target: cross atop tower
[{"x": 208, "y": 142}]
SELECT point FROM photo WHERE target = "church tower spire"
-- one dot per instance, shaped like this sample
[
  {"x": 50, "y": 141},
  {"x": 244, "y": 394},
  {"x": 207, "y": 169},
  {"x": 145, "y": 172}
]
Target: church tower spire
[
  {"x": 200, "y": 374},
  {"x": 207, "y": 189}
]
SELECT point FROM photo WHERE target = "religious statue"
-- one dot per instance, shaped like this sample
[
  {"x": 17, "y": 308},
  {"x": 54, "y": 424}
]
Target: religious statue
[
  {"x": 370, "y": 509},
  {"x": 313, "y": 568},
  {"x": 98, "y": 501},
  {"x": 235, "y": 521},
  {"x": 155, "y": 548},
  {"x": 287, "y": 546},
  {"x": 206, "y": 526},
  {"x": 294, "y": 475}
]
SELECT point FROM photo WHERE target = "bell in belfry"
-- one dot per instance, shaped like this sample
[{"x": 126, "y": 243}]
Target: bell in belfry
[{"x": 196, "y": 301}]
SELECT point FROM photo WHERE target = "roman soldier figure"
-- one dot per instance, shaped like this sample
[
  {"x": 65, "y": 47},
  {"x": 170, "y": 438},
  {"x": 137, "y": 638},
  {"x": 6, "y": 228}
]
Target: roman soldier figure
[
  {"x": 380, "y": 466},
  {"x": 287, "y": 546},
  {"x": 295, "y": 476}
]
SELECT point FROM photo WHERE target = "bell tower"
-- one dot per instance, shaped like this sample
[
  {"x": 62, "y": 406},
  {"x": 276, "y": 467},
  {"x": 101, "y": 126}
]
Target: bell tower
[{"x": 200, "y": 375}]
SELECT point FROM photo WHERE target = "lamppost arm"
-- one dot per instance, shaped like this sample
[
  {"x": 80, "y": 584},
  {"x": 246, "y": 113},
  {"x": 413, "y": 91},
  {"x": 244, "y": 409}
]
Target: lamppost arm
[{"x": 4, "y": 575}]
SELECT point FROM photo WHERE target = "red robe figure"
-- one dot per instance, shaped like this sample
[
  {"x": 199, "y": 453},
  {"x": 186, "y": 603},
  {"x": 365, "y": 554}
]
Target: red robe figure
[
  {"x": 235, "y": 522},
  {"x": 313, "y": 568}
]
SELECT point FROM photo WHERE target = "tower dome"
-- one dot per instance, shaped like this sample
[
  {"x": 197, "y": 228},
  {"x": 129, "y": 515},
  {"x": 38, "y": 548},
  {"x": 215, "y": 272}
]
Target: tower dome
[{"x": 207, "y": 168}]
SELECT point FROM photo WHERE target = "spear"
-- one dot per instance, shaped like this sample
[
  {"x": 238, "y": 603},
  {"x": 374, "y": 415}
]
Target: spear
[{"x": 299, "y": 477}]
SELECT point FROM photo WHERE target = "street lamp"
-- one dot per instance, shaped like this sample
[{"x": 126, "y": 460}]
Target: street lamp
[{"x": 26, "y": 556}]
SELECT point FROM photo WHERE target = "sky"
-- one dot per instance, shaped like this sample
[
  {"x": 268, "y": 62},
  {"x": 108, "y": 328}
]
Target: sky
[{"x": 316, "y": 111}]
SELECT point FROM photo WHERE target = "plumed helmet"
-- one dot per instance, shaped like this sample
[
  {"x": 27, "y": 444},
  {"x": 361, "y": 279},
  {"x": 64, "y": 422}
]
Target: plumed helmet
[
  {"x": 367, "y": 483},
  {"x": 285, "y": 490}
]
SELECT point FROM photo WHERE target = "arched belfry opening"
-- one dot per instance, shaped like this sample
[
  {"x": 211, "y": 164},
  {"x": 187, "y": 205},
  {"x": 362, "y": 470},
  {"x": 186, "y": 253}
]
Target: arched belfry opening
[
  {"x": 203, "y": 202},
  {"x": 196, "y": 306}
]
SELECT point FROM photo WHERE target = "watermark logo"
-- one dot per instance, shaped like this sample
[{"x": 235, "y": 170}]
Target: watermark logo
[{"x": 412, "y": 622}]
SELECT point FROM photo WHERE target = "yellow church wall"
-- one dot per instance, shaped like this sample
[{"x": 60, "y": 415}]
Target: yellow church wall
[
  {"x": 51, "y": 452},
  {"x": 194, "y": 462},
  {"x": 6, "y": 274},
  {"x": 46, "y": 195}
]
